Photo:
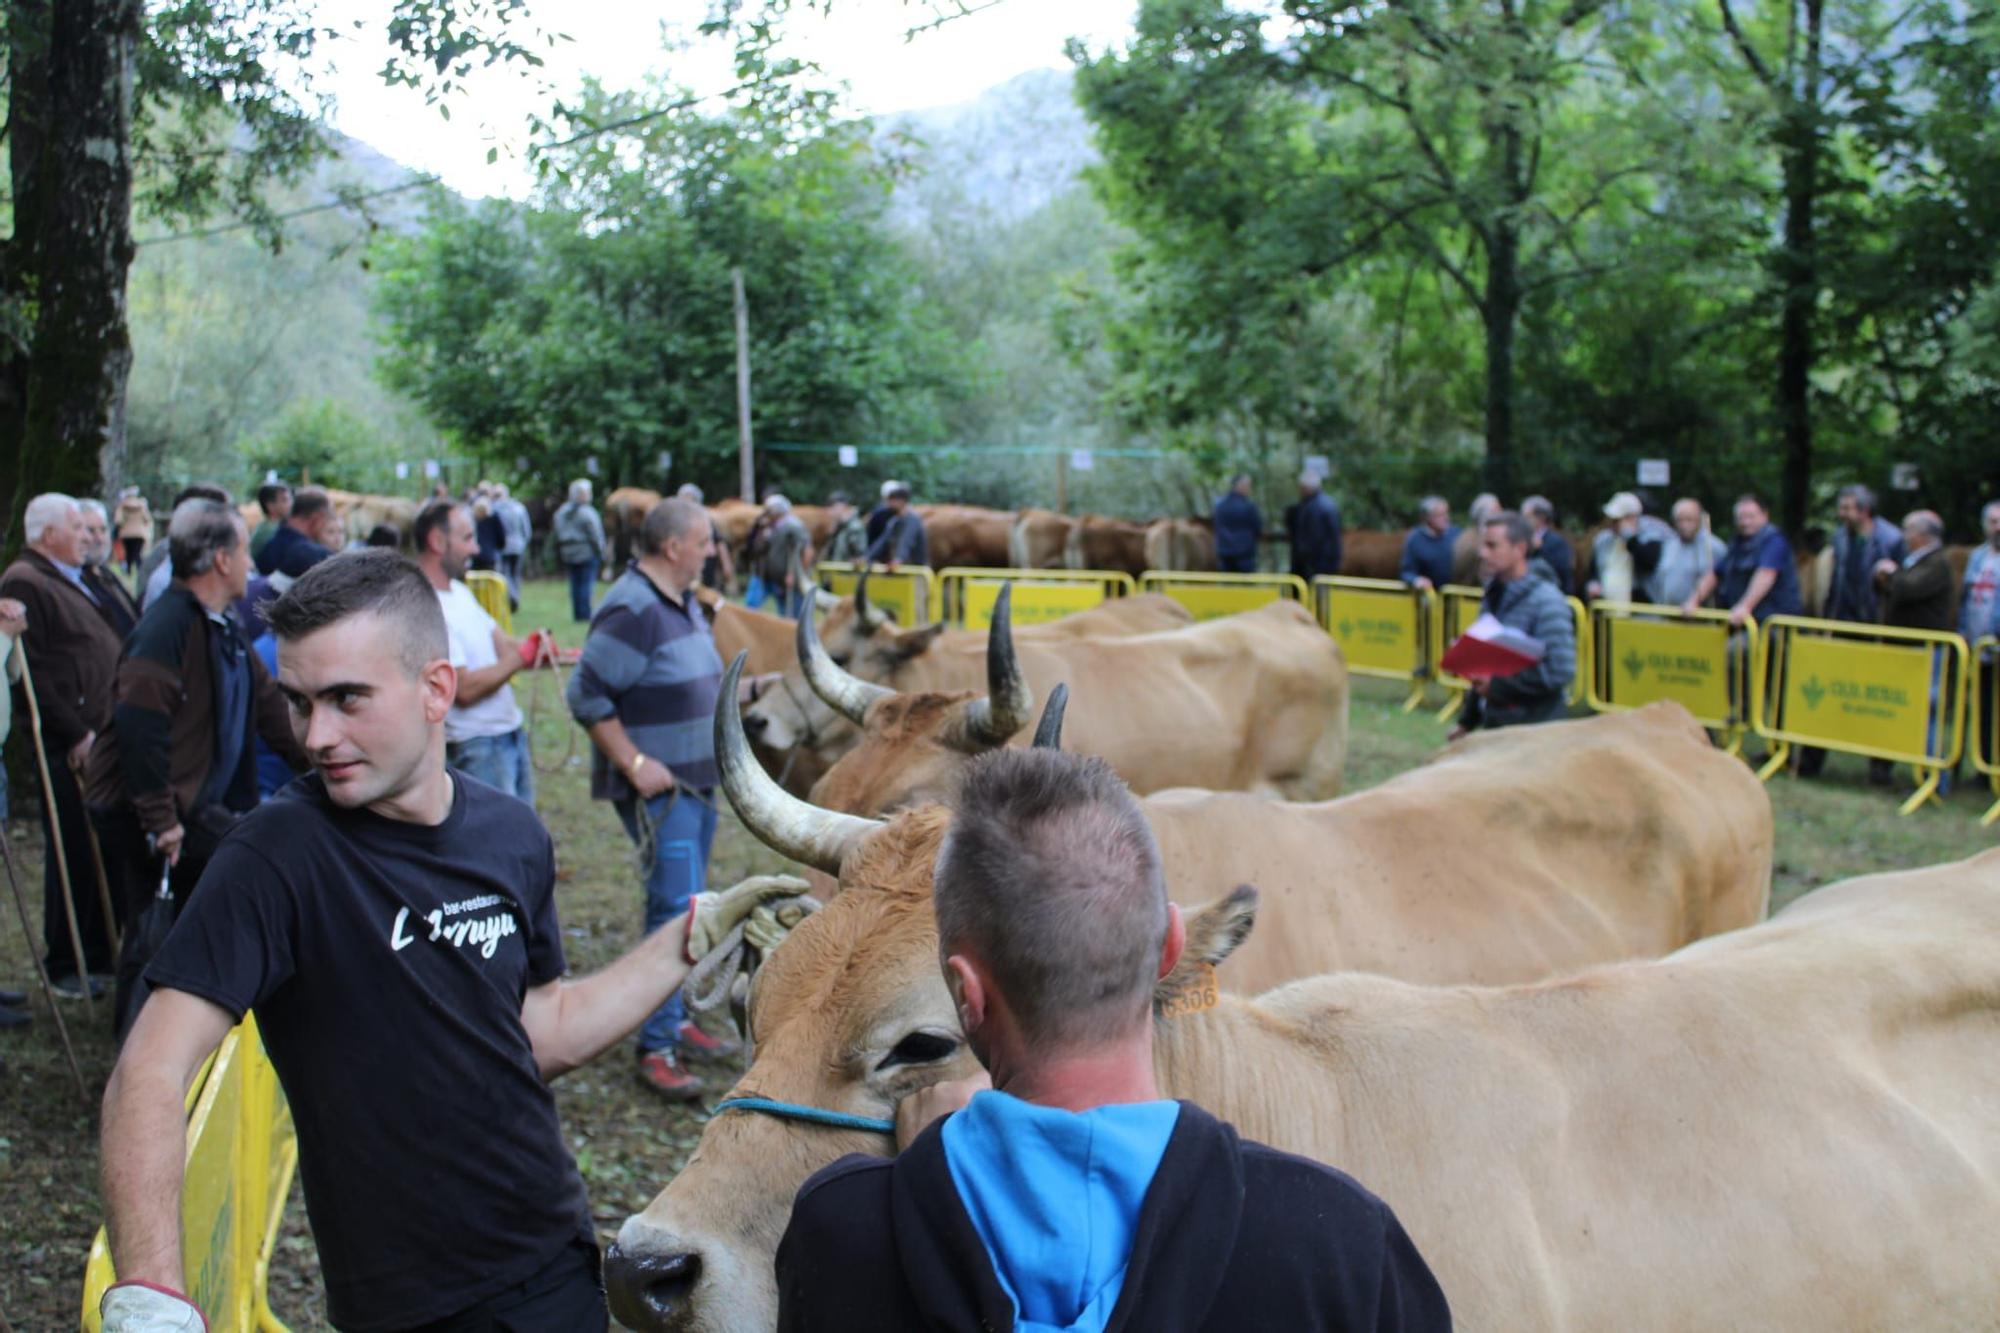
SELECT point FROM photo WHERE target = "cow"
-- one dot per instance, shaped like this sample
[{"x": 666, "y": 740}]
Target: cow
[
  {"x": 1252, "y": 702},
  {"x": 850, "y": 1015},
  {"x": 966, "y": 536},
  {"x": 1038, "y": 539},
  {"x": 872, "y": 648},
  {"x": 623, "y": 511},
  {"x": 1096, "y": 542},
  {"x": 1181, "y": 544},
  {"x": 1368, "y": 553}
]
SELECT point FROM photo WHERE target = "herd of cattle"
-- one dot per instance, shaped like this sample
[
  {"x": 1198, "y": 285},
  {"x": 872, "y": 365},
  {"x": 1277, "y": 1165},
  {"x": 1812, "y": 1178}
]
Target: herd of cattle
[{"x": 1526, "y": 992}]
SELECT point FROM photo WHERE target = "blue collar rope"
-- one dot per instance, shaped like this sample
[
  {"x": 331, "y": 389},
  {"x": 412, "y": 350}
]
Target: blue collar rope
[{"x": 812, "y": 1115}]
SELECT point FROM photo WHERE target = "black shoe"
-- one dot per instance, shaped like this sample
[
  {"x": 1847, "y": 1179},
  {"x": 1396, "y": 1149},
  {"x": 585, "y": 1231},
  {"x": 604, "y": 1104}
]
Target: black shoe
[
  {"x": 13, "y": 997},
  {"x": 11, "y": 1017},
  {"x": 70, "y": 987}
]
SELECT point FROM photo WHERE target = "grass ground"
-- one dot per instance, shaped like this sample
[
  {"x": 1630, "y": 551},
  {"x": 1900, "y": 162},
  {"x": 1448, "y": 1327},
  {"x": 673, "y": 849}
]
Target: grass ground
[{"x": 626, "y": 1142}]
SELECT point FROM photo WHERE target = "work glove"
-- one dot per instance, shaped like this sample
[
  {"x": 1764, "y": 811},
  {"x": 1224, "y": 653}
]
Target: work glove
[
  {"x": 759, "y": 904},
  {"x": 139, "y": 1307}
]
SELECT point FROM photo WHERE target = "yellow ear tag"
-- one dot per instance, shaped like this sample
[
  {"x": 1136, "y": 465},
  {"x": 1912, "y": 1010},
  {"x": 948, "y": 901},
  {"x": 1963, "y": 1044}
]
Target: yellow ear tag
[{"x": 1199, "y": 992}]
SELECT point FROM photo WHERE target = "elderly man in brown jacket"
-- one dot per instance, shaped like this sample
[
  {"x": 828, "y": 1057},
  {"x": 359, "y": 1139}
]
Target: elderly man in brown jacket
[
  {"x": 1919, "y": 591},
  {"x": 72, "y": 654},
  {"x": 180, "y": 763}
]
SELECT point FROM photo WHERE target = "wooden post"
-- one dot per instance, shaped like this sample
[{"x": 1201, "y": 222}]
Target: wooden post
[{"x": 747, "y": 471}]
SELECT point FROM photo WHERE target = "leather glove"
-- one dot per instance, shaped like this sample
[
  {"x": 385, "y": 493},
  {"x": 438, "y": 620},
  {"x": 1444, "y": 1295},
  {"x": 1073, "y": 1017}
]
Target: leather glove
[
  {"x": 713, "y": 915},
  {"x": 139, "y": 1307}
]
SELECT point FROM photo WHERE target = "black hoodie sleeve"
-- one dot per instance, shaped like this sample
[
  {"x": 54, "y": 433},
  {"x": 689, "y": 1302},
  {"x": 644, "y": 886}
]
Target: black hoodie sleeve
[{"x": 1409, "y": 1297}]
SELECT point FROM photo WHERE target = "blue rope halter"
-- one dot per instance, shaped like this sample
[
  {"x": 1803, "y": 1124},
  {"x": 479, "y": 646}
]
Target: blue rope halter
[{"x": 812, "y": 1115}]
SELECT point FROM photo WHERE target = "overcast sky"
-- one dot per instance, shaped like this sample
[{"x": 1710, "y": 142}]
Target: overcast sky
[{"x": 622, "y": 41}]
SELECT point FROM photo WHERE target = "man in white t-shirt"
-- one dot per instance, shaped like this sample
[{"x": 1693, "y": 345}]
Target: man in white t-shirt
[{"x": 483, "y": 733}]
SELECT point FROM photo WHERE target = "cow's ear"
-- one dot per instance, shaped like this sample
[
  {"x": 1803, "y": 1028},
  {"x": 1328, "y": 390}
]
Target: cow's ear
[
  {"x": 902, "y": 645},
  {"x": 1214, "y": 930}
]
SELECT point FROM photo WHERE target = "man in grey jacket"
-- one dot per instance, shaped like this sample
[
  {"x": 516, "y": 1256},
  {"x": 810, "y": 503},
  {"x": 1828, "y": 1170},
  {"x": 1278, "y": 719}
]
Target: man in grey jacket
[
  {"x": 579, "y": 534},
  {"x": 1524, "y": 597},
  {"x": 518, "y": 530}
]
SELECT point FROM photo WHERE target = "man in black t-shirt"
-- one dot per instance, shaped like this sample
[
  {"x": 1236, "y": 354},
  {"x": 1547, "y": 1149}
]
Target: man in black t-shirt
[{"x": 393, "y": 924}]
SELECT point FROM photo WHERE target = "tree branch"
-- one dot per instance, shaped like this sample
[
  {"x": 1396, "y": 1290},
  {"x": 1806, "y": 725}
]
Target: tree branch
[{"x": 1750, "y": 56}]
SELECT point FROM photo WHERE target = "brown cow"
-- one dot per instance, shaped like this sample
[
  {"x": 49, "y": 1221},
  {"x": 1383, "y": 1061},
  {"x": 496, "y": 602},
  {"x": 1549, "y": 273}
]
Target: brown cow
[
  {"x": 966, "y": 535},
  {"x": 1368, "y": 553},
  {"x": 623, "y": 511},
  {"x": 928, "y": 658},
  {"x": 1038, "y": 539},
  {"x": 854, "y": 982},
  {"x": 1256, "y": 701},
  {"x": 1181, "y": 544},
  {"x": 1096, "y": 542}
]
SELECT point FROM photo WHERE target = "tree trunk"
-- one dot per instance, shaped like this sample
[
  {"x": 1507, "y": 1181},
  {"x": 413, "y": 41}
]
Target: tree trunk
[
  {"x": 1501, "y": 310},
  {"x": 72, "y": 419},
  {"x": 1798, "y": 277}
]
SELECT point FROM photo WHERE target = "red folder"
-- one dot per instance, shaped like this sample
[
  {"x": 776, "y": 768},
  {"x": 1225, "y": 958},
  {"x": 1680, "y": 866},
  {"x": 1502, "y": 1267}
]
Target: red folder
[{"x": 1489, "y": 649}]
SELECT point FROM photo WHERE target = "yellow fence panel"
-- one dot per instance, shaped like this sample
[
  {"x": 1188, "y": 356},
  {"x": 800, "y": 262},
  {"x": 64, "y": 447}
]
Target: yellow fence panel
[
  {"x": 1643, "y": 654},
  {"x": 910, "y": 593},
  {"x": 1213, "y": 596},
  {"x": 1383, "y": 627},
  {"x": 241, "y": 1152},
  {"x": 1896, "y": 694},
  {"x": 1985, "y": 732},
  {"x": 1040, "y": 595},
  {"x": 491, "y": 591}
]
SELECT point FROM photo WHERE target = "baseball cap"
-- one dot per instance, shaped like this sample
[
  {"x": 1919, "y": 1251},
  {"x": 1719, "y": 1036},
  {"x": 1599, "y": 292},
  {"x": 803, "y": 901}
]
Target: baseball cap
[{"x": 1623, "y": 505}]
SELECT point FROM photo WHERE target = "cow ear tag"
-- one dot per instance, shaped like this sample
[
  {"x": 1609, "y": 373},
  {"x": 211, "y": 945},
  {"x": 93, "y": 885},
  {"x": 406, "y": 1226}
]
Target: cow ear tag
[{"x": 1197, "y": 993}]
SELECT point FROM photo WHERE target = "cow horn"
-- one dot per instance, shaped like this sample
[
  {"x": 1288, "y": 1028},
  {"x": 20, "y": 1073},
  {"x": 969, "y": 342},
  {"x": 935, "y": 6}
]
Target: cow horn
[
  {"x": 1048, "y": 732},
  {"x": 781, "y": 821},
  {"x": 872, "y": 618},
  {"x": 847, "y": 695},
  {"x": 1009, "y": 702}
]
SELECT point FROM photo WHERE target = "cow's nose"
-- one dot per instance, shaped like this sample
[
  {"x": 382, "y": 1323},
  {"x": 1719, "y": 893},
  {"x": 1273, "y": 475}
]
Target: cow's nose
[
  {"x": 754, "y": 723},
  {"x": 650, "y": 1291}
]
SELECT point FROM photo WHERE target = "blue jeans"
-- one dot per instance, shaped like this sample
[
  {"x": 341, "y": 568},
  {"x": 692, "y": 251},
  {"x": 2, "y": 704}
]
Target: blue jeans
[
  {"x": 760, "y": 592},
  {"x": 1237, "y": 564},
  {"x": 682, "y": 828},
  {"x": 497, "y": 761},
  {"x": 581, "y": 578}
]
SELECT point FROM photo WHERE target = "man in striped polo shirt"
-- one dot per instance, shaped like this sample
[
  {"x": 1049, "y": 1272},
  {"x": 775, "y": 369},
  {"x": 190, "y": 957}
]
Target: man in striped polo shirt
[{"x": 645, "y": 691}]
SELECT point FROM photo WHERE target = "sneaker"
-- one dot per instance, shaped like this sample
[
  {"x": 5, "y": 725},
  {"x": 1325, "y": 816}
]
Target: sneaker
[
  {"x": 70, "y": 987},
  {"x": 662, "y": 1072},
  {"x": 701, "y": 1048}
]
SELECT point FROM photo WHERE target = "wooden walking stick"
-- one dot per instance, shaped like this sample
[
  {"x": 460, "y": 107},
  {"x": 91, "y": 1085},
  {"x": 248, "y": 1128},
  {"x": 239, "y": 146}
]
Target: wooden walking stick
[
  {"x": 34, "y": 952},
  {"x": 103, "y": 889},
  {"x": 55, "y": 830}
]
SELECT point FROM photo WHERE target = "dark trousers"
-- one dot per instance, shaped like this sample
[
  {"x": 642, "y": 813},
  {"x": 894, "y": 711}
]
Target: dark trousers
[
  {"x": 566, "y": 1295},
  {"x": 61, "y": 957},
  {"x": 582, "y": 576},
  {"x": 1237, "y": 564}
]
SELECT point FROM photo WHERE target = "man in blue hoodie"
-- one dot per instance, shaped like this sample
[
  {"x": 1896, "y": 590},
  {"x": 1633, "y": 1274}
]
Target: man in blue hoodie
[
  {"x": 1238, "y": 525},
  {"x": 1068, "y": 1194}
]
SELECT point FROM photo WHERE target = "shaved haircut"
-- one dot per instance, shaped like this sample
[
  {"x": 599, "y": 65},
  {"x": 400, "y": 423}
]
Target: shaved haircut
[
  {"x": 380, "y": 582},
  {"x": 1051, "y": 877},
  {"x": 670, "y": 519}
]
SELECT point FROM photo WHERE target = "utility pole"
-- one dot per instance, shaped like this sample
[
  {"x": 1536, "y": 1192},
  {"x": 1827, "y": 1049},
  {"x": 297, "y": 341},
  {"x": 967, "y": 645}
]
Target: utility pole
[{"x": 747, "y": 471}]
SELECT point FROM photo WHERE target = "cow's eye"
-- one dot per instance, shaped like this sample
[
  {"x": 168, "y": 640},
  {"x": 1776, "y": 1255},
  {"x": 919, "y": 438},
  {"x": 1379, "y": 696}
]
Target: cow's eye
[
  {"x": 841, "y": 659},
  {"x": 920, "y": 1048}
]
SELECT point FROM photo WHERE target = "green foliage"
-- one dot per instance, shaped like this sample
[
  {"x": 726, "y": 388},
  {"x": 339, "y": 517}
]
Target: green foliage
[
  {"x": 598, "y": 320},
  {"x": 324, "y": 440}
]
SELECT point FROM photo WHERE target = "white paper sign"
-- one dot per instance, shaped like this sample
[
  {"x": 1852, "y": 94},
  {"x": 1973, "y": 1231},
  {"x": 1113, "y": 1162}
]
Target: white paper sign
[
  {"x": 1654, "y": 472},
  {"x": 430, "y": 467},
  {"x": 402, "y": 472},
  {"x": 666, "y": 461},
  {"x": 1903, "y": 476},
  {"x": 1319, "y": 464},
  {"x": 590, "y": 465},
  {"x": 1082, "y": 460},
  {"x": 849, "y": 456}
]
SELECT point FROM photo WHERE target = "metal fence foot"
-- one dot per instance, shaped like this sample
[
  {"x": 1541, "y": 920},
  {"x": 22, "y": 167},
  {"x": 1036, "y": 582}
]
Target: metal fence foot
[
  {"x": 1926, "y": 791},
  {"x": 1779, "y": 754}
]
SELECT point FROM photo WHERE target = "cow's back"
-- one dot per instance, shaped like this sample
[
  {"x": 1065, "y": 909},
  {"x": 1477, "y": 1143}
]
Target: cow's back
[{"x": 1366, "y": 553}]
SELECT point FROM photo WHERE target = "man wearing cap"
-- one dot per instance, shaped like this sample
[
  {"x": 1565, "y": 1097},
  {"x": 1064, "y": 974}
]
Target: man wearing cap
[
  {"x": 786, "y": 545},
  {"x": 1315, "y": 530},
  {"x": 903, "y": 540},
  {"x": 1625, "y": 552},
  {"x": 879, "y": 516}
]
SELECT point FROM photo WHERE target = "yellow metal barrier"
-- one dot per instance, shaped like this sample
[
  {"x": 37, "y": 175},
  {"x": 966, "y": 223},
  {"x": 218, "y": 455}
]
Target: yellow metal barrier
[
  {"x": 1383, "y": 626},
  {"x": 1985, "y": 731},
  {"x": 910, "y": 593},
  {"x": 1458, "y": 606},
  {"x": 1213, "y": 596},
  {"x": 1896, "y": 694},
  {"x": 1642, "y": 654},
  {"x": 1040, "y": 595},
  {"x": 241, "y": 1152},
  {"x": 491, "y": 590}
]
